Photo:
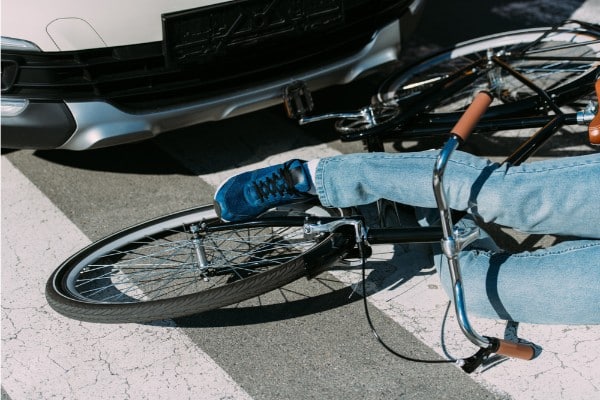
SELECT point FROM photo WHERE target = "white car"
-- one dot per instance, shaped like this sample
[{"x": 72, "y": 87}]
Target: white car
[{"x": 81, "y": 74}]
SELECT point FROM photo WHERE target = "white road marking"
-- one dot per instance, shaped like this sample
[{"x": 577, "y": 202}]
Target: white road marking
[
  {"x": 303, "y": 153},
  {"x": 567, "y": 367},
  {"x": 588, "y": 11},
  {"x": 47, "y": 356}
]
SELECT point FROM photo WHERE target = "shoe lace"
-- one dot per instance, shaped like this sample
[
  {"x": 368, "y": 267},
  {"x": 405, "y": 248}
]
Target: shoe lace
[{"x": 279, "y": 183}]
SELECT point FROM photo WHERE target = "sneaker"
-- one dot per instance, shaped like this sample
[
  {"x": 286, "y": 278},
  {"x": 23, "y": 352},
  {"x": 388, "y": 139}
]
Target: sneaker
[{"x": 251, "y": 193}]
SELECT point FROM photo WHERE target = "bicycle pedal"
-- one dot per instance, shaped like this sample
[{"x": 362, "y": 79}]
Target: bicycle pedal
[{"x": 297, "y": 100}]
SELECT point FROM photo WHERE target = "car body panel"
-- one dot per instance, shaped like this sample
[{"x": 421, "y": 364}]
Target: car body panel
[
  {"x": 100, "y": 124},
  {"x": 114, "y": 22},
  {"x": 115, "y": 79}
]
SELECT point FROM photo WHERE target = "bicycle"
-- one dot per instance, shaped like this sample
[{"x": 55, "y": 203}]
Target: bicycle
[
  {"x": 539, "y": 76},
  {"x": 189, "y": 261}
]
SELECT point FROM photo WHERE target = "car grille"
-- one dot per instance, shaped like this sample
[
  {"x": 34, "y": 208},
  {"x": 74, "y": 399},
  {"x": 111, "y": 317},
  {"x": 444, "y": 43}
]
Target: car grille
[{"x": 141, "y": 77}]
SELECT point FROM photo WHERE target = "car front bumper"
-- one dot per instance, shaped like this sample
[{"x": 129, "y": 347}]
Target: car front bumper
[{"x": 81, "y": 125}]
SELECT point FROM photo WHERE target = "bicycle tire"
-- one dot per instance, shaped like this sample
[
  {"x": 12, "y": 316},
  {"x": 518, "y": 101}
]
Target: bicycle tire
[
  {"x": 513, "y": 96},
  {"x": 151, "y": 272},
  {"x": 537, "y": 70}
]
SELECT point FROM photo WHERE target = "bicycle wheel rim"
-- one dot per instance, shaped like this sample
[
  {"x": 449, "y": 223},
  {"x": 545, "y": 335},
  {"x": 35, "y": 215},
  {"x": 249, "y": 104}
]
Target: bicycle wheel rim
[
  {"x": 129, "y": 292},
  {"x": 394, "y": 89}
]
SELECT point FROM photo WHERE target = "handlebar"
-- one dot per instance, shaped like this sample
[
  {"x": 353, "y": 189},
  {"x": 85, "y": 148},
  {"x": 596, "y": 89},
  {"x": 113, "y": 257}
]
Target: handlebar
[
  {"x": 524, "y": 351},
  {"x": 454, "y": 241},
  {"x": 472, "y": 114}
]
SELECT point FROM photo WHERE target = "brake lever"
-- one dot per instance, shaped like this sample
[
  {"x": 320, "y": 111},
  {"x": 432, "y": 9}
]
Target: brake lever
[{"x": 470, "y": 364}]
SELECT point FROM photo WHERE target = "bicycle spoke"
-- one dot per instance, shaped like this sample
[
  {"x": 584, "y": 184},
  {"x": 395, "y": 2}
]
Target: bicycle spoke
[{"x": 166, "y": 266}]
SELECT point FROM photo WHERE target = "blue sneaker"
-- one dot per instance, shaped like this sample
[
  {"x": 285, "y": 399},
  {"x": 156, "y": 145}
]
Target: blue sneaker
[{"x": 251, "y": 193}]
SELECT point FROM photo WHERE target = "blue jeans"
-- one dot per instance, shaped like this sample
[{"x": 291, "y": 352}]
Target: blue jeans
[{"x": 556, "y": 285}]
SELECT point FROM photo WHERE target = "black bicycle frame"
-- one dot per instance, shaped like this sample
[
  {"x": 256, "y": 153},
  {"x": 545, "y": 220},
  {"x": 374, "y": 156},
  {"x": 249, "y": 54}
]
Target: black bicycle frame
[
  {"x": 414, "y": 124},
  {"x": 404, "y": 235}
]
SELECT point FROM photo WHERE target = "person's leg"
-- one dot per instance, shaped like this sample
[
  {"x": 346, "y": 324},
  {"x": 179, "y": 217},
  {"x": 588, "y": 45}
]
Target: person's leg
[
  {"x": 558, "y": 285},
  {"x": 557, "y": 196},
  {"x": 555, "y": 285}
]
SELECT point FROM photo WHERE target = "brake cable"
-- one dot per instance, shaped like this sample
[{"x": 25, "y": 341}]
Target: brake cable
[{"x": 374, "y": 330}]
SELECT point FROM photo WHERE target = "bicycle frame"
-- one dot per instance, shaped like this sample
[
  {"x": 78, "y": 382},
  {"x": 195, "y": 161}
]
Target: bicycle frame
[{"x": 412, "y": 123}]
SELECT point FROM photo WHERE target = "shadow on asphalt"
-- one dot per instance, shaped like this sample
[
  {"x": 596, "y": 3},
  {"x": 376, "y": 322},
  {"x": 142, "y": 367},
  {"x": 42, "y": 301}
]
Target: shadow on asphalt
[
  {"x": 139, "y": 158},
  {"x": 259, "y": 314}
]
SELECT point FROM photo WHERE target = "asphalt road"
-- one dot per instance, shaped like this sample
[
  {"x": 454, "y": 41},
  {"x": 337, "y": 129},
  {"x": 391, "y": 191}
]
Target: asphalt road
[{"x": 315, "y": 345}]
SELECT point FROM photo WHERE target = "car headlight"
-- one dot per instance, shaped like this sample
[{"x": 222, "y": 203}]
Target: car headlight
[
  {"x": 12, "y": 107},
  {"x": 17, "y": 44}
]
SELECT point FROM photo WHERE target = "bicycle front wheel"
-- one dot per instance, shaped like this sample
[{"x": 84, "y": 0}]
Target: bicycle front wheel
[
  {"x": 555, "y": 60},
  {"x": 185, "y": 263}
]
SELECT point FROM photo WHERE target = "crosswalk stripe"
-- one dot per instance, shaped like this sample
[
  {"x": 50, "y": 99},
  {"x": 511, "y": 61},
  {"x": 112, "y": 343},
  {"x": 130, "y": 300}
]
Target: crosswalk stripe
[
  {"x": 420, "y": 305},
  {"x": 303, "y": 153},
  {"x": 417, "y": 305},
  {"x": 46, "y": 356}
]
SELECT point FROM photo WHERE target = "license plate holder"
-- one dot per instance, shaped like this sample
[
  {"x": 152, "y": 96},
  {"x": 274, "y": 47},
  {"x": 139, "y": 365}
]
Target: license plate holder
[{"x": 195, "y": 35}]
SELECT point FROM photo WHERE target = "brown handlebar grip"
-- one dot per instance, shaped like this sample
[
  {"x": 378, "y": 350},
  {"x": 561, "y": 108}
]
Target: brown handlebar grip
[
  {"x": 515, "y": 350},
  {"x": 594, "y": 127},
  {"x": 472, "y": 114}
]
